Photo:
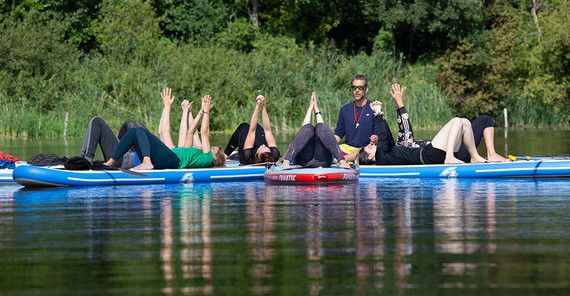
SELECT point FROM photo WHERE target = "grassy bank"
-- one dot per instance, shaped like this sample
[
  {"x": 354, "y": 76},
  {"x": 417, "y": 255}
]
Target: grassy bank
[{"x": 118, "y": 90}]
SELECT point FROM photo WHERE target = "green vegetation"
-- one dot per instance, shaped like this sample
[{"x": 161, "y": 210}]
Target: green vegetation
[{"x": 111, "y": 58}]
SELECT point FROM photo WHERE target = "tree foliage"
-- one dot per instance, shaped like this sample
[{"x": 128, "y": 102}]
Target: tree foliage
[
  {"x": 116, "y": 54},
  {"x": 127, "y": 30},
  {"x": 34, "y": 52},
  {"x": 523, "y": 65}
]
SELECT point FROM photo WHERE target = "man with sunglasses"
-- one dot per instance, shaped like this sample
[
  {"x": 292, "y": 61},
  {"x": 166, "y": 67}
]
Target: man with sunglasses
[{"x": 356, "y": 121}]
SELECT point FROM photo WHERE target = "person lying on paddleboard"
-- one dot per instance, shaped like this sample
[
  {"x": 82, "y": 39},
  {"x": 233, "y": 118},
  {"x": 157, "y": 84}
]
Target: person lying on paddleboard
[
  {"x": 157, "y": 154},
  {"x": 256, "y": 144},
  {"x": 314, "y": 145},
  {"x": 185, "y": 139},
  {"x": 99, "y": 133},
  {"x": 441, "y": 149},
  {"x": 483, "y": 128}
]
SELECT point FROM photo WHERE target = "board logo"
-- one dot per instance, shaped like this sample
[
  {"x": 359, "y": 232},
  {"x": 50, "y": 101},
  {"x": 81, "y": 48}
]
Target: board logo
[
  {"x": 187, "y": 178},
  {"x": 350, "y": 177},
  {"x": 449, "y": 172},
  {"x": 287, "y": 178}
]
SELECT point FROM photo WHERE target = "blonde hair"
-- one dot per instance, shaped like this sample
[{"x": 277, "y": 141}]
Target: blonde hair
[{"x": 220, "y": 159}]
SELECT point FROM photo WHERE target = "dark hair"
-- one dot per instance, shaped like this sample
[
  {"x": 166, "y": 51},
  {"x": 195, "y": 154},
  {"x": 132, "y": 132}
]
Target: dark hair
[
  {"x": 360, "y": 77},
  {"x": 264, "y": 157},
  {"x": 363, "y": 157},
  {"x": 129, "y": 124}
]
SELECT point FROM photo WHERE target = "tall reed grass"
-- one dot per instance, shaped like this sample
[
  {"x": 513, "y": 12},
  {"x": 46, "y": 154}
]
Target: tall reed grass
[{"x": 118, "y": 91}]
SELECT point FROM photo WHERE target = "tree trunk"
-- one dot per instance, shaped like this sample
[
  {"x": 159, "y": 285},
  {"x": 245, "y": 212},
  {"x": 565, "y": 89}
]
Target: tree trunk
[
  {"x": 255, "y": 13},
  {"x": 411, "y": 40},
  {"x": 533, "y": 10}
]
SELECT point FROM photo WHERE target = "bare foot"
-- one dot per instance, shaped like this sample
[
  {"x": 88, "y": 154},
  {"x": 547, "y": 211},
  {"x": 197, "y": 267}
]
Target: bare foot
[
  {"x": 478, "y": 159},
  {"x": 143, "y": 166},
  {"x": 285, "y": 164},
  {"x": 496, "y": 158},
  {"x": 453, "y": 160}
]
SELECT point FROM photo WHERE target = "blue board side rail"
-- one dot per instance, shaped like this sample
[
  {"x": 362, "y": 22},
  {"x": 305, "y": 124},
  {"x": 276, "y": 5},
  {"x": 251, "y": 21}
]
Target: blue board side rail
[
  {"x": 33, "y": 176},
  {"x": 538, "y": 166},
  {"x": 534, "y": 168}
]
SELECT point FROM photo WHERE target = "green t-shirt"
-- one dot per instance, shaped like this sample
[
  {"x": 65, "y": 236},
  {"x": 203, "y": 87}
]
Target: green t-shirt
[{"x": 191, "y": 157}]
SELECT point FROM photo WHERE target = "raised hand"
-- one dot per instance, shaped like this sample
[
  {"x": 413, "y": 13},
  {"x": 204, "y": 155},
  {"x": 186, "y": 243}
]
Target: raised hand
[
  {"x": 314, "y": 102},
  {"x": 206, "y": 103},
  {"x": 166, "y": 99},
  {"x": 376, "y": 106},
  {"x": 374, "y": 139},
  {"x": 186, "y": 105},
  {"x": 397, "y": 94},
  {"x": 260, "y": 100}
]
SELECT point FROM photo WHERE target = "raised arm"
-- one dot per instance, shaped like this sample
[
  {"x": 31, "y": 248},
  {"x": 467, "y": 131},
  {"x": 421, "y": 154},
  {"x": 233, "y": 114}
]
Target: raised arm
[
  {"x": 250, "y": 138},
  {"x": 183, "y": 130},
  {"x": 318, "y": 114},
  {"x": 405, "y": 131},
  {"x": 164, "y": 125},
  {"x": 267, "y": 127},
  {"x": 193, "y": 139},
  {"x": 307, "y": 118},
  {"x": 192, "y": 130},
  {"x": 205, "y": 129}
]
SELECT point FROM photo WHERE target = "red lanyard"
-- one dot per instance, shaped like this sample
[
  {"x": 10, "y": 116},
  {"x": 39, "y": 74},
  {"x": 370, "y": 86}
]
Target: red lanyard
[{"x": 355, "y": 114}]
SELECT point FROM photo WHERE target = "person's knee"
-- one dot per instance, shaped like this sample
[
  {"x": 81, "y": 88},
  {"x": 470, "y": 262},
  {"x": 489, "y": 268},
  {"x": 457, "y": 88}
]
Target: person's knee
[
  {"x": 97, "y": 120},
  {"x": 308, "y": 128},
  {"x": 487, "y": 121},
  {"x": 321, "y": 127},
  {"x": 132, "y": 131}
]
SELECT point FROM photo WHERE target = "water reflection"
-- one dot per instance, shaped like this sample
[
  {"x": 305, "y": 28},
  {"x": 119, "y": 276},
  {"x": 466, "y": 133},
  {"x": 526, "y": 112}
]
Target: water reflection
[
  {"x": 376, "y": 236},
  {"x": 260, "y": 215},
  {"x": 194, "y": 249}
]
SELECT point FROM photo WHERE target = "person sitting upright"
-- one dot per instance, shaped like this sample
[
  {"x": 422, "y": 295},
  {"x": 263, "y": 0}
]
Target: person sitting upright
[{"x": 356, "y": 120}]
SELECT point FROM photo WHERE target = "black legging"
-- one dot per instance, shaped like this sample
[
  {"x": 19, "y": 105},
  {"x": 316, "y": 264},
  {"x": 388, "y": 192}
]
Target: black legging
[
  {"x": 314, "y": 146},
  {"x": 238, "y": 138},
  {"x": 147, "y": 144}
]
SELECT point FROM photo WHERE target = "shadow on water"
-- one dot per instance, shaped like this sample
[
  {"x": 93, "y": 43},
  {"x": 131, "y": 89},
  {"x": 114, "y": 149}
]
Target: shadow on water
[{"x": 393, "y": 236}]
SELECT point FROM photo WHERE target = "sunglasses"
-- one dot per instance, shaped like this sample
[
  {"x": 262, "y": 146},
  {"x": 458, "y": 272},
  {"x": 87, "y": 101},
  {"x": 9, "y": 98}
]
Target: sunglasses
[{"x": 357, "y": 87}]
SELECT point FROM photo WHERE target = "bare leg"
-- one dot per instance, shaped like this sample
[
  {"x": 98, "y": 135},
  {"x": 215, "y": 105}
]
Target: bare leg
[
  {"x": 448, "y": 139},
  {"x": 469, "y": 141},
  {"x": 489, "y": 136}
]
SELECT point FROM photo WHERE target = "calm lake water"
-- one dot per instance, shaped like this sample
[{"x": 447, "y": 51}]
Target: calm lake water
[{"x": 378, "y": 236}]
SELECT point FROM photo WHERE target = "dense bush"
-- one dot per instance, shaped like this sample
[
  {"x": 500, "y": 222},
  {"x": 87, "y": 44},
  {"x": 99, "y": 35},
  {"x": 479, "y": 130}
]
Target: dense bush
[{"x": 111, "y": 58}]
